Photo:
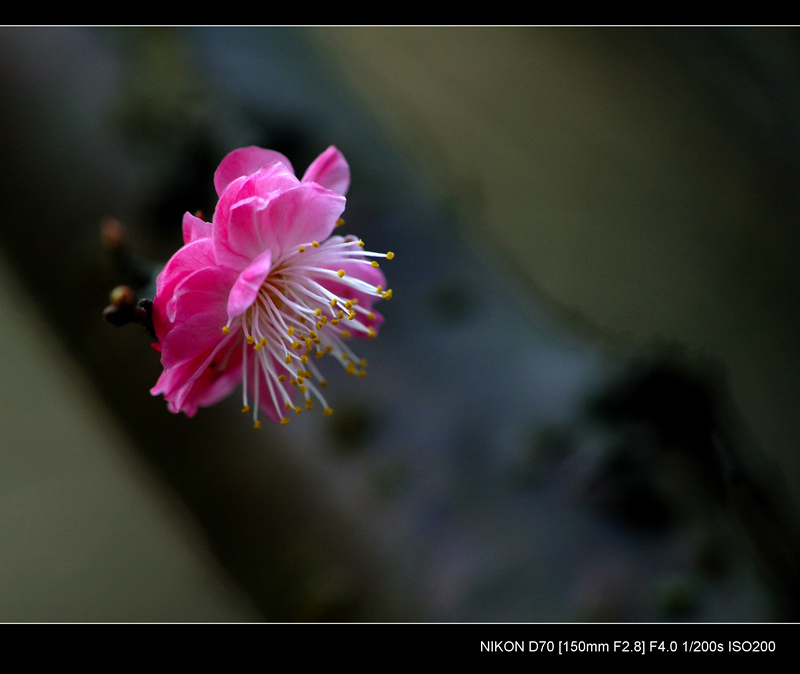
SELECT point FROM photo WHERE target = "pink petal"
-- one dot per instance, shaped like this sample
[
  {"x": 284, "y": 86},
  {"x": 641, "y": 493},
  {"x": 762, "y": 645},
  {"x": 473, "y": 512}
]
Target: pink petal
[
  {"x": 244, "y": 162},
  {"x": 330, "y": 170},
  {"x": 195, "y": 228},
  {"x": 269, "y": 181},
  {"x": 236, "y": 238},
  {"x": 198, "y": 313},
  {"x": 218, "y": 379},
  {"x": 230, "y": 197},
  {"x": 299, "y": 216},
  {"x": 201, "y": 290},
  {"x": 245, "y": 289},
  {"x": 188, "y": 260},
  {"x": 214, "y": 386},
  {"x": 203, "y": 380},
  {"x": 191, "y": 337}
]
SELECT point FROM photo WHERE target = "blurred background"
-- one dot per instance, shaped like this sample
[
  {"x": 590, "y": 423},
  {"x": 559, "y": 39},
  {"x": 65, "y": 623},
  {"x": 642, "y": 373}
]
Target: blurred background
[{"x": 583, "y": 404}]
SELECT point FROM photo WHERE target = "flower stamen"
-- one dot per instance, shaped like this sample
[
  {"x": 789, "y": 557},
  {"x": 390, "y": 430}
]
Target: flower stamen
[{"x": 293, "y": 293}]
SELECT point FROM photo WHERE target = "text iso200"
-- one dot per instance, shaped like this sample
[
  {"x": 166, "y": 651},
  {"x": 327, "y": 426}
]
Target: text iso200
[{"x": 751, "y": 646}]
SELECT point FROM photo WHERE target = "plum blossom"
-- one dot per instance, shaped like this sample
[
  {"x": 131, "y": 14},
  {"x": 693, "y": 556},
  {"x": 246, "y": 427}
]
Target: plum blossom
[{"x": 256, "y": 296}]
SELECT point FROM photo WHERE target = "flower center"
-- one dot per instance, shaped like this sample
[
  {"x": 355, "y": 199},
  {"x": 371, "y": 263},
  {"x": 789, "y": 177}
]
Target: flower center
[{"x": 307, "y": 307}]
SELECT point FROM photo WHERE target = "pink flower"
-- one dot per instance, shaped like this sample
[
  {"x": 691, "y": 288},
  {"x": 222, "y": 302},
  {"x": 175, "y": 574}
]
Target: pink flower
[{"x": 261, "y": 292}]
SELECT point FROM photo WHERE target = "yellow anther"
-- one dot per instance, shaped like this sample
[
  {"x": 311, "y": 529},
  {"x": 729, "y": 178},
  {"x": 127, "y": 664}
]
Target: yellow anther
[
  {"x": 360, "y": 243},
  {"x": 300, "y": 380},
  {"x": 389, "y": 255},
  {"x": 375, "y": 264},
  {"x": 328, "y": 411},
  {"x": 323, "y": 383},
  {"x": 314, "y": 244},
  {"x": 250, "y": 339},
  {"x": 302, "y": 249},
  {"x": 288, "y": 406},
  {"x": 348, "y": 304},
  {"x": 309, "y": 404},
  {"x": 340, "y": 273},
  {"x": 320, "y": 354},
  {"x": 340, "y": 314},
  {"x": 334, "y": 321},
  {"x": 226, "y": 330},
  {"x": 282, "y": 378},
  {"x": 295, "y": 344},
  {"x": 302, "y": 389},
  {"x": 258, "y": 346},
  {"x": 362, "y": 374},
  {"x": 363, "y": 362},
  {"x": 245, "y": 409},
  {"x": 319, "y": 325},
  {"x": 284, "y": 420},
  {"x": 346, "y": 334},
  {"x": 263, "y": 341},
  {"x": 351, "y": 368},
  {"x": 328, "y": 349},
  {"x": 351, "y": 315},
  {"x": 256, "y": 424},
  {"x": 290, "y": 331},
  {"x": 304, "y": 358},
  {"x": 334, "y": 301},
  {"x": 340, "y": 222},
  {"x": 288, "y": 360},
  {"x": 297, "y": 410},
  {"x": 379, "y": 289},
  {"x": 387, "y": 295},
  {"x": 317, "y": 311},
  {"x": 371, "y": 316},
  {"x": 370, "y": 333}
]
